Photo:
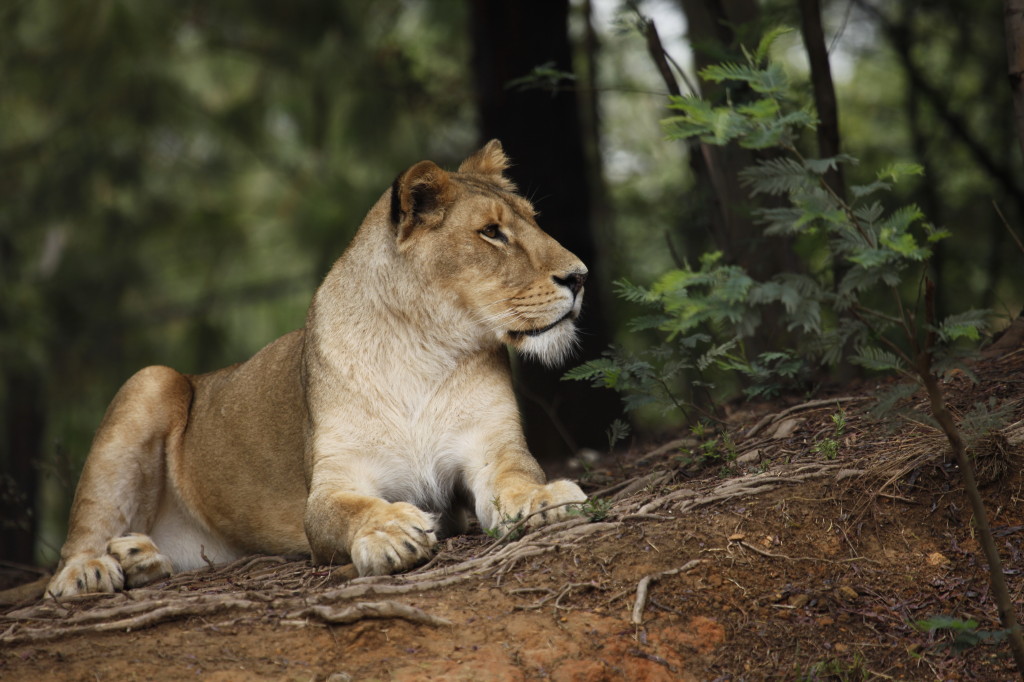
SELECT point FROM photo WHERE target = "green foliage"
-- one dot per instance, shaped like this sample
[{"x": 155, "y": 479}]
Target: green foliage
[
  {"x": 508, "y": 528},
  {"x": 985, "y": 418},
  {"x": 850, "y": 307},
  {"x": 642, "y": 379},
  {"x": 617, "y": 431},
  {"x": 543, "y": 77},
  {"x": 965, "y": 634},
  {"x": 594, "y": 509},
  {"x": 828, "y": 447},
  {"x": 711, "y": 451},
  {"x": 836, "y": 669}
]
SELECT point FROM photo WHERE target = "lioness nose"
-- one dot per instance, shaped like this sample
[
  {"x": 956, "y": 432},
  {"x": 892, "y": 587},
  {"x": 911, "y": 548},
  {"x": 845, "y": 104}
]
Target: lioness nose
[{"x": 574, "y": 281}]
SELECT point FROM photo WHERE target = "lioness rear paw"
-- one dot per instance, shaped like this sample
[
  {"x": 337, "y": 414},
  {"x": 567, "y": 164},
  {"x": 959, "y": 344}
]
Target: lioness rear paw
[
  {"x": 397, "y": 537},
  {"x": 88, "y": 574},
  {"x": 538, "y": 504},
  {"x": 139, "y": 557}
]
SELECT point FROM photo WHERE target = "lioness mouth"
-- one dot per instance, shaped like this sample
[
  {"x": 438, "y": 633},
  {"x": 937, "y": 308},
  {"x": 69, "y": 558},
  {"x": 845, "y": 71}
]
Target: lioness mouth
[{"x": 516, "y": 334}]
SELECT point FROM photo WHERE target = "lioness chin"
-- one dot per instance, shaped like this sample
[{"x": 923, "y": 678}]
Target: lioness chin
[{"x": 365, "y": 435}]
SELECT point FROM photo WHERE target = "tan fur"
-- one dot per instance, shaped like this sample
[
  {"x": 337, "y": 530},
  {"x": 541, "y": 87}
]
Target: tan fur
[{"x": 364, "y": 435}]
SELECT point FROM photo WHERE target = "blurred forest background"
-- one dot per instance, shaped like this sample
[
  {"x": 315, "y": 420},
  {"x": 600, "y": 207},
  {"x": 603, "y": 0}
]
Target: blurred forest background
[{"x": 177, "y": 177}]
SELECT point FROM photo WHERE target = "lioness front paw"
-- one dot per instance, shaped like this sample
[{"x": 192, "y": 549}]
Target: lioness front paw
[
  {"x": 87, "y": 574},
  {"x": 396, "y": 537},
  {"x": 140, "y": 559},
  {"x": 526, "y": 501}
]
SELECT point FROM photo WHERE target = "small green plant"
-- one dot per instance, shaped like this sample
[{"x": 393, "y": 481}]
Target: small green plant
[
  {"x": 617, "y": 431},
  {"x": 506, "y": 523},
  {"x": 711, "y": 450},
  {"x": 965, "y": 634},
  {"x": 595, "y": 509},
  {"x": 836, "y": 669},
  {"x": 828, "y": 447}
]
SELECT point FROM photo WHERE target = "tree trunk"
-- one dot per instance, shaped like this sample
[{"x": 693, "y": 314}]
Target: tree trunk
[
  {"x": 711, "y": 28},
  {"x": 542, "y": 134},
  {"x": 22, "y": 436},
  {"x": 824, "y": 91},
  {"x": 1015, "y": 54}
]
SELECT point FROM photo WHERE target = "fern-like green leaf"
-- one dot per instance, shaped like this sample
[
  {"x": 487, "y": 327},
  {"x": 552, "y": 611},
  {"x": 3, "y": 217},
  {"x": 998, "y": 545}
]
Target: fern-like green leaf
[
  {"x": 766, "y": 42},
  {"x": 776, "y": 176},
  {"x": 876, "y": 359},
  {"x": 899, "y": 169},
  {"x": 604, "y": 370},
  {"x": 861, "y": 191},
  {"x": 633, "y": 293},
  {"x": 712, "y": 355},
  {"x": 822, "y": 166},
  {"x": 965, "y": 325},
  {"x": 729, "y": 71}
]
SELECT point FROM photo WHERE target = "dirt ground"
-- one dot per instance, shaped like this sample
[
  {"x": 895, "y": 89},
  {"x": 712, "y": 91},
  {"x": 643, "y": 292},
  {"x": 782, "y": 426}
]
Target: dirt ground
[{"x": 777, "y": 561}]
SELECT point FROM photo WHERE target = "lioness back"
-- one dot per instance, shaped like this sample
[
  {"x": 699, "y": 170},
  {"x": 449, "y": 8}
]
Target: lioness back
[{"x": 241, "y": 459}]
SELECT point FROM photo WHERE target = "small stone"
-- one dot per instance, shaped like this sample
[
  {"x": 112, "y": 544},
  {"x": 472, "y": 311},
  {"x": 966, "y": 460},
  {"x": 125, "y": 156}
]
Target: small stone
[
  {"x": 786, "y": 428},
  {"x": 798, "y": 601},
  {"x": 736, "y": 537},
  {"x": 937, "y": 559},
  {"x": 825, "y": 621},
  {"x": 751, "y": 457},
  {"x": 847, "y": 592}
]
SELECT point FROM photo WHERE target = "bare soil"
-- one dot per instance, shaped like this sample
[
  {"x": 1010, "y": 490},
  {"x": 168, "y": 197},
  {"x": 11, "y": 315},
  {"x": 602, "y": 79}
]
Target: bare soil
[{"x": 782, "y": 564}]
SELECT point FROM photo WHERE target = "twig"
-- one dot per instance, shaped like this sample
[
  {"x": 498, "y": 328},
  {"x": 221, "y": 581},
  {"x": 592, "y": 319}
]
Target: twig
[
  {"x": 1006, "y": 224},
  {"x": 570, "y": 587},
  {"x": 202, "y": 555},
  {"x": 667, "y": 447},
  {"x": 359, "y": 611},
  {"x": 823, "y": 402},
  {"x": 637, "y": 617},
  {"x": 760, "y": 551}
]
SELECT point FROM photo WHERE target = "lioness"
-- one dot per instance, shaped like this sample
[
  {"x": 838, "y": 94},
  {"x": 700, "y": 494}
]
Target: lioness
[{"x": 364, "y": 436}]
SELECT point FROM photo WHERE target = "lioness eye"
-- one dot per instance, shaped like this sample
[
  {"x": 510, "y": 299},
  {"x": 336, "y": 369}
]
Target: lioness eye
[{"x": 493, "y": 231}]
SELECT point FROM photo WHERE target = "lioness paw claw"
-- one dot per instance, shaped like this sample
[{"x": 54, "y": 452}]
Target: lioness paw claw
[
  {"x": 539, "y": 505},
  {"x": 139, "y": 557},
  {"x": 91, "y": 574},
  {"x": 397, "y": 538}
]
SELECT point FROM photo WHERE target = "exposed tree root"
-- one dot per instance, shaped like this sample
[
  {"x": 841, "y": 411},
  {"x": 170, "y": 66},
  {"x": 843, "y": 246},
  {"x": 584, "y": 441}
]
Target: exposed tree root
[
  {"x": 283, "y": 590},
  {"x": 125, "y": 618}
]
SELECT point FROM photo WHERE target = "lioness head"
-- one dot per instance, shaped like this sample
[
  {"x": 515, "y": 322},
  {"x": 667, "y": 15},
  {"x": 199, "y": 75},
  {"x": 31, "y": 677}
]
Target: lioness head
[{"x": 472, "y": 233}]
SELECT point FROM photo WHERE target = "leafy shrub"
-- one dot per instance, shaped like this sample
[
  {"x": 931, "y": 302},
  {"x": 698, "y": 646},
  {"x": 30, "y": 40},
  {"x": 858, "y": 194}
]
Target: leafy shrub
[{"x": 707, "y": 314}]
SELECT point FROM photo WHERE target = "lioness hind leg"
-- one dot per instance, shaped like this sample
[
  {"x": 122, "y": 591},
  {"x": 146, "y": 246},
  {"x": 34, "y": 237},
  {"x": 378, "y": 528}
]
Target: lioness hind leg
[{"x": 121, "y": 487}]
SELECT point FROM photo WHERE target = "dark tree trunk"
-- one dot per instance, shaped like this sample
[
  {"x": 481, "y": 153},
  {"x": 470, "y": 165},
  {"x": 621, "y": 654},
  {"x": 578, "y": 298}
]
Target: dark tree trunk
[
  {"x": 824, "y": 91},
  {"x": 542, "y": 134},
  {"x": 1015, "y": 53},
  {"x": 22, "y": 435},
  {"x": 711, "y": 30}
]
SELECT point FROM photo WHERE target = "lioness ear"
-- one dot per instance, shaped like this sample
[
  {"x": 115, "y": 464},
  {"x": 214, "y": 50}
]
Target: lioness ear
[
  {"x": 419, "y": 197},
  {"x": 490, "y": 160}
]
